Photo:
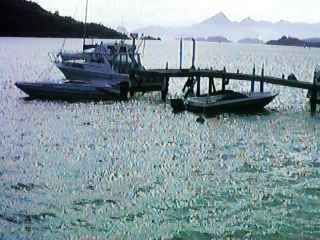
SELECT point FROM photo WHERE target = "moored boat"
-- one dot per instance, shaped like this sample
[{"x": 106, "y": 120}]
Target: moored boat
[
  {"x": 75, "y": 90},
  {"x": 230, "y": 101},
  {"x": 107, "y": 61},
  {"x": 224, "y": 101},
  {"x": 103, "y": 61}
]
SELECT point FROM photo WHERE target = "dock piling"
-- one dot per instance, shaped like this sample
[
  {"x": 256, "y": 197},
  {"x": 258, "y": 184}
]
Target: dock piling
[
  {"x": 224, "y": 80},
  {"x": 181, "y": 53},
  {"x": 314, "y": 92},
  {"x": 253, "y": 76},
  {"x": 198, "y": 86},
  {"x": 262, "y": 75},
  {"x": 193, "y": 53},
  {"x": 198, "y": 79},
  {"x": 165, "y": 86},
  {"x": 211, "y": 84}
]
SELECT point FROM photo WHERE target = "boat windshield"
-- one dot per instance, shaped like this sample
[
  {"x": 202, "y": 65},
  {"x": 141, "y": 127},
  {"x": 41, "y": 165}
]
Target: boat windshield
[{"x": 97, "y": 58}]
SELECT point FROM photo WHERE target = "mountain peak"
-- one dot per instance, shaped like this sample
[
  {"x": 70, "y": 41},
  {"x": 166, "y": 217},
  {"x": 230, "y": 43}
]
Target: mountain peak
[
  {"x": 218, "y": 18},
  {"x": 283, "y": 21},
  {"x": 220, "y": 14},
  {"x": 221, "y": 17},
  {"x": 247, "y": 20}
]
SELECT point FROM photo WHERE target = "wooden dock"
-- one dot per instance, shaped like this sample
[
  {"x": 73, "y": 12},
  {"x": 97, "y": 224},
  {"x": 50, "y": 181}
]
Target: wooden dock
[
  {"x": 225, "y": 76},
  {"x": 194, "y": 76},
  {"x": 205, "y": 73}
]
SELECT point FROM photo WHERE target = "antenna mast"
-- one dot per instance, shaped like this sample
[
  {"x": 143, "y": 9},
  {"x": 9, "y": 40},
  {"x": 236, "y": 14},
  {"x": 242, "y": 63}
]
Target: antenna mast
[{"x": 85, "y": 26}]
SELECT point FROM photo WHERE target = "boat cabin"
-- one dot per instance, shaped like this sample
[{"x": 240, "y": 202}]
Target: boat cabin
[{"x": 116, "y": 57}]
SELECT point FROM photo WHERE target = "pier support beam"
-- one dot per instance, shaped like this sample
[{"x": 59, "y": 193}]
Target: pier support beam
[
  {"x": 253, "y": 74},
  {"x": 193, "y": 53},
  {"x": 181, "y": 53},
  {"x": 223, "y": 84},
  {"x": 191, "y": 92},
  {"x": 225, "y": 81},
  {"x": 198, "y": 86},
  {"x": 314, "y": 92},
  {"x": 165, "y": 86},
  {"x": 189, "y": 86},
  {"x": 262, "y": 83},
  {"x": 212, "y": 88}
]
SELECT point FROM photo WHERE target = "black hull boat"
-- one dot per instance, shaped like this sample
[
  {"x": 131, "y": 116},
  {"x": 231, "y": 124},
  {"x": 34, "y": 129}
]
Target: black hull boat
[
  {"x": 75, "y": 91},
  {"x": 224, "y": 101}
]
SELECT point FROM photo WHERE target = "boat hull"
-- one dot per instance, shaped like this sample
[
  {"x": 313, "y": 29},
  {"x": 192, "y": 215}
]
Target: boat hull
[
  {"x": 79, "y": 72},
  {"x": 70, "y": 91}
]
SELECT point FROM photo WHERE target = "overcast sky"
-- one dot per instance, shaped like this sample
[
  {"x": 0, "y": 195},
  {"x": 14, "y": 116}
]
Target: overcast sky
[{"x": 141, "y": 13}]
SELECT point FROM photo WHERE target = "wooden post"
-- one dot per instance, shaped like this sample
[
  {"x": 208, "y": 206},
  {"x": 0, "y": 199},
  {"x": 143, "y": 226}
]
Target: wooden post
[
  {"x": 193, "y": 53},
  {"x": 192, "y": 86},
  {"x": 252, "y": 81},
  {"x": 224, "y": 79},
  {"x": 261, "y": 83},
  {"x": 210, "y": 85},
  {"x": 165, "y": 86},
  {"x": 133, "y": 49},
  {"x": 198, "y": 86},
  {"x": 85, "y": 26},
  {"x": 213, "y": 86},
  {"x": 314, "y": 92},
  {"x": 181, "y": 53}
]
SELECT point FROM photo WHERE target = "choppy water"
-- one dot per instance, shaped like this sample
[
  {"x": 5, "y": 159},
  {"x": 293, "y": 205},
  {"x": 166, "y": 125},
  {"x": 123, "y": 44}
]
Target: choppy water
[{"x": 136, "y": 171}]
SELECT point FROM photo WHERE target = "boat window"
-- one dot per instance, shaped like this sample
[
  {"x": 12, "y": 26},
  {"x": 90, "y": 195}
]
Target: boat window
[{"x": 97, "y": 58}]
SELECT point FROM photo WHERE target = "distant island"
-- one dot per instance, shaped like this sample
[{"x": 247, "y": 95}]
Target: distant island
[
  {"x": 312, "y": 40},
  {"x": 21, "y": 18},
  {"x": 219, "y": 39},
  {"x": 289, "y": 41},
  {"x": 250, "y": 41}
]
